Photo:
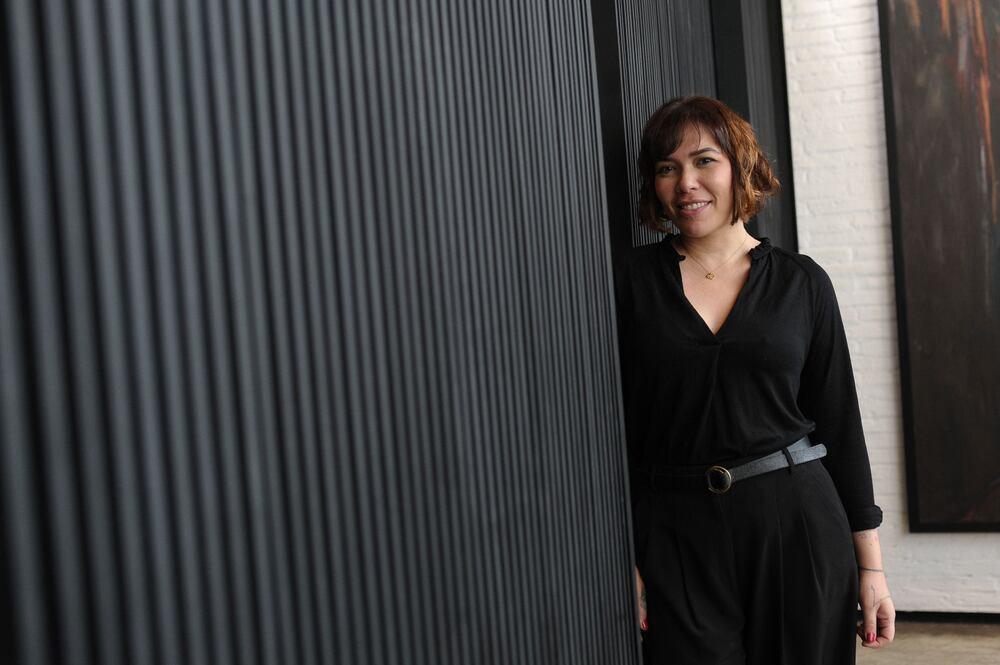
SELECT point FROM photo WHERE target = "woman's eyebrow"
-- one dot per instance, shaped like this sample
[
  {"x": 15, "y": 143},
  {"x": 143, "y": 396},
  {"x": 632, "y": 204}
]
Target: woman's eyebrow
[{"x": 692, "y": 154}]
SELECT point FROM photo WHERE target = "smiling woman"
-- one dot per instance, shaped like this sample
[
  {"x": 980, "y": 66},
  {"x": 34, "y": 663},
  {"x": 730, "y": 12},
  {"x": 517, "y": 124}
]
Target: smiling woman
[
  {"x": 695, "y": 185},
  {"x": 704, "y": 133},
  {"x": 752, "y": 496}
]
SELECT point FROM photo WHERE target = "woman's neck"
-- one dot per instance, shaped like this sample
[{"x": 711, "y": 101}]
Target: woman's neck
[{"x": 720, "y": 244}]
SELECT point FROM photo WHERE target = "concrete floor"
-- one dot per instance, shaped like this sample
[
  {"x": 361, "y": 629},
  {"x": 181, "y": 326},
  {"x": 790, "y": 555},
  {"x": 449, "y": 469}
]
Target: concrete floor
[{"x": 919, "y": 643}]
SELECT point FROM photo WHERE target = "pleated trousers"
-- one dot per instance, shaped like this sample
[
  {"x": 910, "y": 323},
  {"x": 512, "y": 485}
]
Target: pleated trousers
[{"x": 764, "y": 574}]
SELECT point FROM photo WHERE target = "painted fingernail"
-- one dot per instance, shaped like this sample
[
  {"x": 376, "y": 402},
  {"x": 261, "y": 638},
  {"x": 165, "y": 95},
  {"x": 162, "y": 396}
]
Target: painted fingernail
[
  {"x": 644, "y": 625},
  {"x": 869, "y": 637}
]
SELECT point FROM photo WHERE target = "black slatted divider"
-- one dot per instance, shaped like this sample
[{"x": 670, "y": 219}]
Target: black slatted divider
[
  {"x": 750, "y": 77},
  {"x": 307, "y": 335},
  {"x": 648, "y": 52},
  {"x": 23, "y": 522}
]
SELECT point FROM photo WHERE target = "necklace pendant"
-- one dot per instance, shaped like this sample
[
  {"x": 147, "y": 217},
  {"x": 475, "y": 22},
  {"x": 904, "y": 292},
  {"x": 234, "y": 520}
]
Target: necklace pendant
[{"x": 710, "y": 275}]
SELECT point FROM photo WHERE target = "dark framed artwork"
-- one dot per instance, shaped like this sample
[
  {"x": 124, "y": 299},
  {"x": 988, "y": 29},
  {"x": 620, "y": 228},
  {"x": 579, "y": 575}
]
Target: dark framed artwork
[{"x": 941, "y": 72}]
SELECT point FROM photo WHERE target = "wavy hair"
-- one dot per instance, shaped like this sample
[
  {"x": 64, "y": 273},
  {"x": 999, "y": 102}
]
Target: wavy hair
[{"x": 753, "y": 179}]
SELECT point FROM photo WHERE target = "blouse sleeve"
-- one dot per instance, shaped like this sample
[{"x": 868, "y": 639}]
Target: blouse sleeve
[
  {"x": 624, "y": 316},
  {"x": 828, "y": 397}
]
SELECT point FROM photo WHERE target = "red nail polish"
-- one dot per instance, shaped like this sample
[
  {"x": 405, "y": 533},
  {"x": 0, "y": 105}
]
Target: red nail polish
[
  {"x": 869, "y": 637},
  {"x": 644, "y": 625}
]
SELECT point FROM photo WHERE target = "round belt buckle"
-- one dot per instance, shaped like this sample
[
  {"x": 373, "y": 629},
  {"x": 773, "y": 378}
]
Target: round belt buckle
[{"x": 719, "y": 479}]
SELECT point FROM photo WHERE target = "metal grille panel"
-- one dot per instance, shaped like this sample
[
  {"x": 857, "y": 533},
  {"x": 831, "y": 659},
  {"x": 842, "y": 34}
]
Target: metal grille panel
[
  {"x": 306, "y": 335},
  {"x": 665, "y": 50}
]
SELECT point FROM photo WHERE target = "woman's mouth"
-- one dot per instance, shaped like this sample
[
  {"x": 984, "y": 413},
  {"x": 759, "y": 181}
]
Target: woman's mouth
[{"x": 692, "y": 209}]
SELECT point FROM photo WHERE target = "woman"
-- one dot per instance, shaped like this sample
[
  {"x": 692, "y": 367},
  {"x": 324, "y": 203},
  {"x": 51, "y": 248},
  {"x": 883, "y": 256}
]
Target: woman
[{"x": 754, "y": 516}]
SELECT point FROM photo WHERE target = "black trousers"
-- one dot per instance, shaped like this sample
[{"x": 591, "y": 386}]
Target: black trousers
[{"x": 762, "y": 575}]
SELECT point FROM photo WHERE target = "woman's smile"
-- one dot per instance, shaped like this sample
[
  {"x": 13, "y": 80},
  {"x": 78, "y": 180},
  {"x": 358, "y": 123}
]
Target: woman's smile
[{"x": 692, "y": 210}]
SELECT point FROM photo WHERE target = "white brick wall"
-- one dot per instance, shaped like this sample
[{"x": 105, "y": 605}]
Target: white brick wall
[{"x": 837, "y": 119}]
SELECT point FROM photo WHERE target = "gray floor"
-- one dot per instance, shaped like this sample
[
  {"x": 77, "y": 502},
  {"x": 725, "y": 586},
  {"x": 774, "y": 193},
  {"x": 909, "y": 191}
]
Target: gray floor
[{"x": 919, "y": 643}]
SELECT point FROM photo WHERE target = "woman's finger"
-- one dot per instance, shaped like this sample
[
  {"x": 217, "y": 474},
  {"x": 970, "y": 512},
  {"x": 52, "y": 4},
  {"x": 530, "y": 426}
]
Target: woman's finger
[
  {"x": 886, "y": 619},
  {"x": 869, "y": 602},
  {"x": 640, "y": 594}
]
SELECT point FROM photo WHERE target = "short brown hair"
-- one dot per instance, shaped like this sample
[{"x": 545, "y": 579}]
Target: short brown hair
[{"x": 753, "y": 180}]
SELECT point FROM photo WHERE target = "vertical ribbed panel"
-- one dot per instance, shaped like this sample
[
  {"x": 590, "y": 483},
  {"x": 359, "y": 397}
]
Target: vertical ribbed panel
[
  {"x": 665, "y": 50},
  {"x": 21, "y": 539},
  {"x": 764, "y": 82},
  {"x": 306, "y": 330}
]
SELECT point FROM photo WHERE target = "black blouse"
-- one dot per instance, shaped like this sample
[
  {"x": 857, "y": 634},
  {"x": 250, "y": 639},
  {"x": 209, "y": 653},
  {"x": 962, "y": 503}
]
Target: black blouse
[{"x": 779, "y": 368}]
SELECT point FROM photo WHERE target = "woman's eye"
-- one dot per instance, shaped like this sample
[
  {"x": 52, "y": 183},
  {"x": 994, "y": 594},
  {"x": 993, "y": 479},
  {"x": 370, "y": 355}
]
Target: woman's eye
[
  {"x": 664, "y": 170},
  {"x": 705, "y": 159}
]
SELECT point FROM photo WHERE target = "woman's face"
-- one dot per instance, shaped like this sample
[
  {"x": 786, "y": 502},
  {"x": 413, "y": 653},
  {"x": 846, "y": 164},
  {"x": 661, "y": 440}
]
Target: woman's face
[{"x": 695, "y": 184}]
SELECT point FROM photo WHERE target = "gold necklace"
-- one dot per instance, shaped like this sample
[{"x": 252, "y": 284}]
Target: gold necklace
[{"x": 710, "y": 274}]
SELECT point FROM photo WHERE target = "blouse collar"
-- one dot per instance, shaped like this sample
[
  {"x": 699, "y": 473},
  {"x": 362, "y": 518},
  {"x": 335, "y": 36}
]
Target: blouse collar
[{"x": 756, "y": 252}]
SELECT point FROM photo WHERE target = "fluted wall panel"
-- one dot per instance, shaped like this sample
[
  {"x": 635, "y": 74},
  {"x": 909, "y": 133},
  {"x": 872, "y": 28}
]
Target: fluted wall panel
[
  {"x": 306, "y": 335},
  {"x": 664, "y": 50},
  {"x": 767, "y": 110}
]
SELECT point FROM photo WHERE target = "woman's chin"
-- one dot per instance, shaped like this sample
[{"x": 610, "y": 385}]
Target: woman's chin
[{"x": 698, "y": 228}]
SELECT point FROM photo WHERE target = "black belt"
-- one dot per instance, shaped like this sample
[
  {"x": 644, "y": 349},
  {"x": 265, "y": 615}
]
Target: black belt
[{"x": 719, "y": 479}]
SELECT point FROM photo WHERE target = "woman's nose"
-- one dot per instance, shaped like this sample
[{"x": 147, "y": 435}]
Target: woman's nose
[{"x": 687, "y": 181}]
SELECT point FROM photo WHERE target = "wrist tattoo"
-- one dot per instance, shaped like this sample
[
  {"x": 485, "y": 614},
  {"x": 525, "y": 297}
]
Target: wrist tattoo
[
  {"x": 878, "y": 602},
  {"x": 871, "y": 570}
]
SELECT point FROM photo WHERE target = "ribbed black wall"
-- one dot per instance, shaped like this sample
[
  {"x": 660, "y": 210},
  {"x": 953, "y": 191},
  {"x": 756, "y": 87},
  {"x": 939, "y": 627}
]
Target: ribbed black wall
[
  {"x": 750, "y": 77},
  {"x": 649, "y": 51},
  {"x": 306, "y": 335}
]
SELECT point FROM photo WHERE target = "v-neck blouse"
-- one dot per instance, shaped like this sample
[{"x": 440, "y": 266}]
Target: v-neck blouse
[{"x": 779, "y": 368}]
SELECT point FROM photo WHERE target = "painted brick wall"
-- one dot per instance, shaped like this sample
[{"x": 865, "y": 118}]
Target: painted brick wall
[{"x": 835, "y": 101}]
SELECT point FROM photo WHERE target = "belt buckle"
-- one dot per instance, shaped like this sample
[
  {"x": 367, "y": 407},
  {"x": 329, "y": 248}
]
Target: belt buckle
[{"x": 719, "y": 479}]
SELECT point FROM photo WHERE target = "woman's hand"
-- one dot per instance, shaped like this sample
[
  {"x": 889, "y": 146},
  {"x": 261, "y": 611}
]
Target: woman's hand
[
  {"x": 640, "y": 597},
  {"x": 878, "y": 615},
  {"x": 878, "y": 625}
]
